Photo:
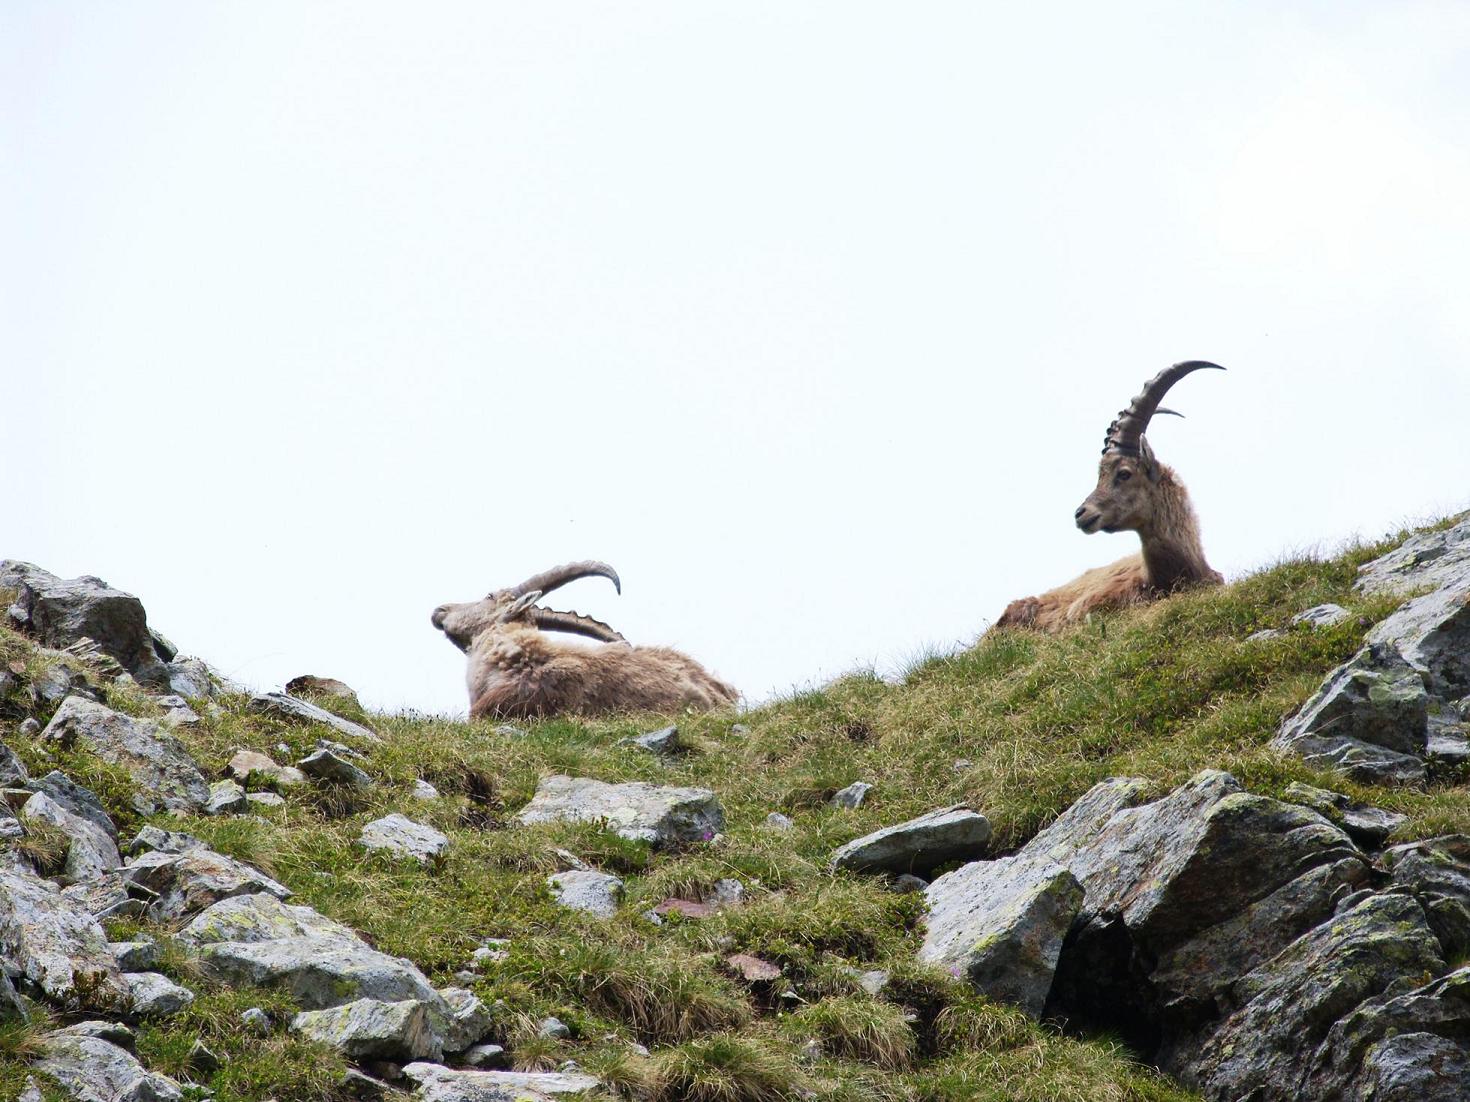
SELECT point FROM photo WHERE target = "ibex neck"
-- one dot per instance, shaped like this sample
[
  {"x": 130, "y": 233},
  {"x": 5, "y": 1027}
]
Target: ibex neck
[{"x": 1173, "y": 555}]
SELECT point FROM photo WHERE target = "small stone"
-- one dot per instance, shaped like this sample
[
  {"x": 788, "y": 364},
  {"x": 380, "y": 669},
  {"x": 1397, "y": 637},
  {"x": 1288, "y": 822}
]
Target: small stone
[
  {"x": 873, "y": 981},
  {"x": 811, "y": 1052},
  {"x": 30, "y": 727},
  {"x": 661, "y": 742},
  {"x": 852, "y": 796},
  {"x": 594, "y": 893},
  {"x": 485, "y": 1056},
  {"x": 919, "y": 845},
  {"x": 31, "y": 1093},
  {"x": 423, "y": 790},
  {"x": 1264, "y": 635},
  {"x": 685, "y": 908},
  {"x": 248, "y": 762},
  {"x": 465, "y": 976},
  {"x": 776, "y": 821},
  {"x": 114, "y": 1033},
  {"x": 753, "y": 969},
  {"x": 482, "y": 958},
  {"x": 553, "y": 1028},
  {"x": 328, "y": 766},
  {"x": 726, "y": 893},
  {"x": 739, "y": 729},
  {"x": 908, "y": 883},
  {"x": 225, "y": 798},
  {"x": 294, "y": 710},
  {"x": 403, "y": 837},
  {"x": 265, "y": 799},
  {"x": 136, "y": 956},
  {"x": 157, "y": 996},
  {"x": 256, "y": 1020},
  {"x": 200, "y": 1059},
  {"x": 162, "y": 841},
  {"x": 962, "y": 764},
  {"x": 1322, "y": 616},
  {"x": 510, "y": 730},
  {"x": 663, "y": 816}
]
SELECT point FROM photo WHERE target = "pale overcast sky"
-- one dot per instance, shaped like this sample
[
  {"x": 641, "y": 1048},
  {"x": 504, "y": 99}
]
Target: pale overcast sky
[{"x": 808, "y": 317}]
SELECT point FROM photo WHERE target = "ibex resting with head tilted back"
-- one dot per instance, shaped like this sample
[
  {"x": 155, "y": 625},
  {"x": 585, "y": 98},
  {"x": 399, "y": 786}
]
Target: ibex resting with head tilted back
[
  {"x": 1135, "y": 492},
  {"x": 515, "y": 670}
]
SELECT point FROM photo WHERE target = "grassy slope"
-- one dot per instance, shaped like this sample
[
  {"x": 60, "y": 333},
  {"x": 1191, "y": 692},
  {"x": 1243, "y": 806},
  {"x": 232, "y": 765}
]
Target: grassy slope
[{"x": 1159, "y": 692}]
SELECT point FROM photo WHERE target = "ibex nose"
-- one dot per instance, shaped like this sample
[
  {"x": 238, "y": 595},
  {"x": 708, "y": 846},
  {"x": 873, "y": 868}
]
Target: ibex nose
[
  {"x": 438, "y": 618},
  {"x": 1077, "y": 515}
]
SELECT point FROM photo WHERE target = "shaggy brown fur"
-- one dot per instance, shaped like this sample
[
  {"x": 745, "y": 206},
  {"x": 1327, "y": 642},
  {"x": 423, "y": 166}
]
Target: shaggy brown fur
[
  {"x": 1135, "y": 492},
  {"x": 517, "y": 670}
]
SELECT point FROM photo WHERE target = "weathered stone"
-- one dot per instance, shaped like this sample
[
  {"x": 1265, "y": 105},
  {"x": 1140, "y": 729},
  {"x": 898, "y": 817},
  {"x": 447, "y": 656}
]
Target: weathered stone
[
  {"x": 776, "y": 821},
  {"x": 166, "y": 775},
  {"x": 753, "y": 969},
  {"x": 94, "y": 1070},
  {"x": 1428, "y": 560},
  {"x": 439, "y": 1084},
  {"x": 919, "y": 845},
  {"x": 1436, "y": 872},
  {"x": 999, "y": 925},
  {"x": 660, "y": 815},
  {"x": 192, "y": 679},
  {"x": 662, "y": 742},
  {"x": 225, "y": 798},
  {"x": 1286, "y": 1008},
  {"x": 423, "y": 790},
  {"x": 553, "y": 1028},
  {"x": 116, "y": 1033},
  {"x": 293, "y": 710},
  {"x": 246, "y": 763},
  {"x": 12, "y": 770},
  {"x": 136, "y": 956},
  {"x": 312, "y": 686},
  {"x": 90, "y": 852},
  {"x": 155, "y": 838},
  {"x": 188, "y": 882},
  {"x": 327, "y": 765},
  {"x": 467, "y": 1021},
  {"x": 485, "y": 1056},
  {"x": 1265, "y": 635},
  {"x": 259, "y": 917},
  {"x": 201, "y": 1059},
  {"x": 726, "y": 892},
  {"x": 58, "y": 947},
  {"x": 403, "y": 837},
  {"x": 594, "y": 893},
  {"x": 853, "y": 795},
  {"x": 265, "y": 799},
  {"x": 107, "y": 896},
  {"x": 1366, "y": 825},
  {"x": 177, "y": 712},
  {"x": 1369, "y": 719},
  {"x": 78, "y": 800},
  {"x": 906, "y": 883},
  {"x": 684, "y": 908},
  {"x": 1322, "y": 616},
  {"x": 156, "y": 996},
  {"x": 367, "y": 1029},
  {"x": 256, "y": 1020},
  {"x": 60, "y": 611}
]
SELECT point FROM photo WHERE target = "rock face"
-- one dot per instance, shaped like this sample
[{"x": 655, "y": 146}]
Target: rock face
[
  {"x": 1392, "y": 713},
  {"x": 166, "y": 775},
  {"x": 402, "y": 837},
  {"x": 919, "y": 845},
  {"x": 660, "y": 815},
  {"x": 60, "y": 612},
  {"x": 57, "y": 947}
]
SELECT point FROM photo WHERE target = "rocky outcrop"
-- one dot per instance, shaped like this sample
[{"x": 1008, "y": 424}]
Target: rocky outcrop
[
  {"x": 1396, "y": 711},
  {"x": 663, "y": 816},
  {"x": 166, "y": 775},
  {"x": 56, "y": 947},
  {"x": 919, "y": 845}
]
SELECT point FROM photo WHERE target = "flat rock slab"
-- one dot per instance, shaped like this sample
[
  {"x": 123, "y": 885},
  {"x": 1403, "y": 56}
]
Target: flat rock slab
[
  {"x": 919, "y": 845},
  {"x": 661, "y": 815},
  {"x": 368, "y": 1029},
  {"x": 440, "y": 1084},
  {"x": 62, "y": 611},
  {"x": 999, "y": 925},
  {"x": 1429, "y": 560},
  {"x": 402, "y": 837},
  {"x": 166, "y": 776},
  {"x": 328, "y": 765},
  {"x": 94, "y": 1070},
  {"x": 594, "y": 893},
  {"x": 295, "y": 710},
  {"x": 54, "y": 944}
]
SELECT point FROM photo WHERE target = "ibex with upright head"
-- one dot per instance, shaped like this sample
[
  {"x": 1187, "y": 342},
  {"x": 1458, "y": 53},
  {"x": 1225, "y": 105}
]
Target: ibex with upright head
[
  {"x": 1135, "y": 492},
  {"x": 516, "y": 671}
]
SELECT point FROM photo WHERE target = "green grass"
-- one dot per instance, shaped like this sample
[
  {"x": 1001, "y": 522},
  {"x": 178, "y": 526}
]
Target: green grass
[{"x": 1159, "y": 692}]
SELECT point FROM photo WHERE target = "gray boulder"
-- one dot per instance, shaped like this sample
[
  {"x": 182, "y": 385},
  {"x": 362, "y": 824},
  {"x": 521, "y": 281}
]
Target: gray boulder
[
  {"x": 90, "y": 851},
  {"x": 248, "y": 763},
  {"x": 226, "y": 797},
  {"x": 663, "y": 742},
  {"x": 368, "y": 1029},
  {"x": 1370, "y": 719},
  {"x": 1429, "y": 560},
  {"x": 660, "y": 815},
  {"x": 999, "y": 925},
  {"x": 1322, "y": 616},
  {"x": 919, "y": 845},
  {"x": 58, "y": 947},
  {"x": 156, "y": 996},
  {"x": 294, "y": 710},
  {"x": 332, "y": 767},
  {"x": 403, "y": 837},
  {"x": 12, "y": 770},
  {"x": 166, "y": 775},
  {"x": 78, "y": 800},
  {"x": 188, "y": 882},
  {"x": 1367, "y": 825},
  {"x": 1436, "y": 872},
  {"x": 594, "y": 893},
  {"x": 468, "y": 1020},
  {"x": 94, "y": 1070},
  {"x": 852, "y": 796},
  {"x": 437, "y": 1083},
  {"x": 136, "y": 956},
  {"x": 311, "y": 685},
  {"x": 59, "y": 612}
]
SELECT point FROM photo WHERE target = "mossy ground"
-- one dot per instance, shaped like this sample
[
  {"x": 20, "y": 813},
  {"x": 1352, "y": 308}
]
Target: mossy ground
[{"x": 1017, "y": 726}]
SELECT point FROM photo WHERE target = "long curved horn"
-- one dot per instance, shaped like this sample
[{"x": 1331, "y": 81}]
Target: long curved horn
[
  {"x": 559, "y": 576},
  {"x": 1129, "y": 426},
  {"x": 549, "y": 620}
]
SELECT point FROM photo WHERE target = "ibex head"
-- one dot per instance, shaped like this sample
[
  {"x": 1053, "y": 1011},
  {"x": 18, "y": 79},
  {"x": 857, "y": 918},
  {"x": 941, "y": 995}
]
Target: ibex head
[
  {"x": 1128, "y": 475},
  {"x": 462, "y": 623}
]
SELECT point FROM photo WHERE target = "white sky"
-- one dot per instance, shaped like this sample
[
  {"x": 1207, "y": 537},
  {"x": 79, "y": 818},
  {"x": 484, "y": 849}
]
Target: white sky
[{"x": 808, "y": 318}]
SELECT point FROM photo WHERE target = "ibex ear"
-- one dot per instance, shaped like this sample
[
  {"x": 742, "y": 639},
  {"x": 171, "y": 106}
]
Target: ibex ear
[
  {"x": 1146, "y": 457},
  {"x": 520, "y": 604}
]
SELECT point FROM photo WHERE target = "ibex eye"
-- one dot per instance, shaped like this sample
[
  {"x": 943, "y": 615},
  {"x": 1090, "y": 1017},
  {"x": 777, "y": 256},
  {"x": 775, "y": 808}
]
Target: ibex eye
[{"x": 1124, "y": 476}]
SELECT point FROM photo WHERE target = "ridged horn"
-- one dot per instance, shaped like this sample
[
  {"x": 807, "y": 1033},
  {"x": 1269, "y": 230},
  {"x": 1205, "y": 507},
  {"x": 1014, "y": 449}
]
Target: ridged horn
[
  {"x": 1129, "y": 426},
  {"x": 550, "y": 620},
  {"x": 559, "y": 576}
]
